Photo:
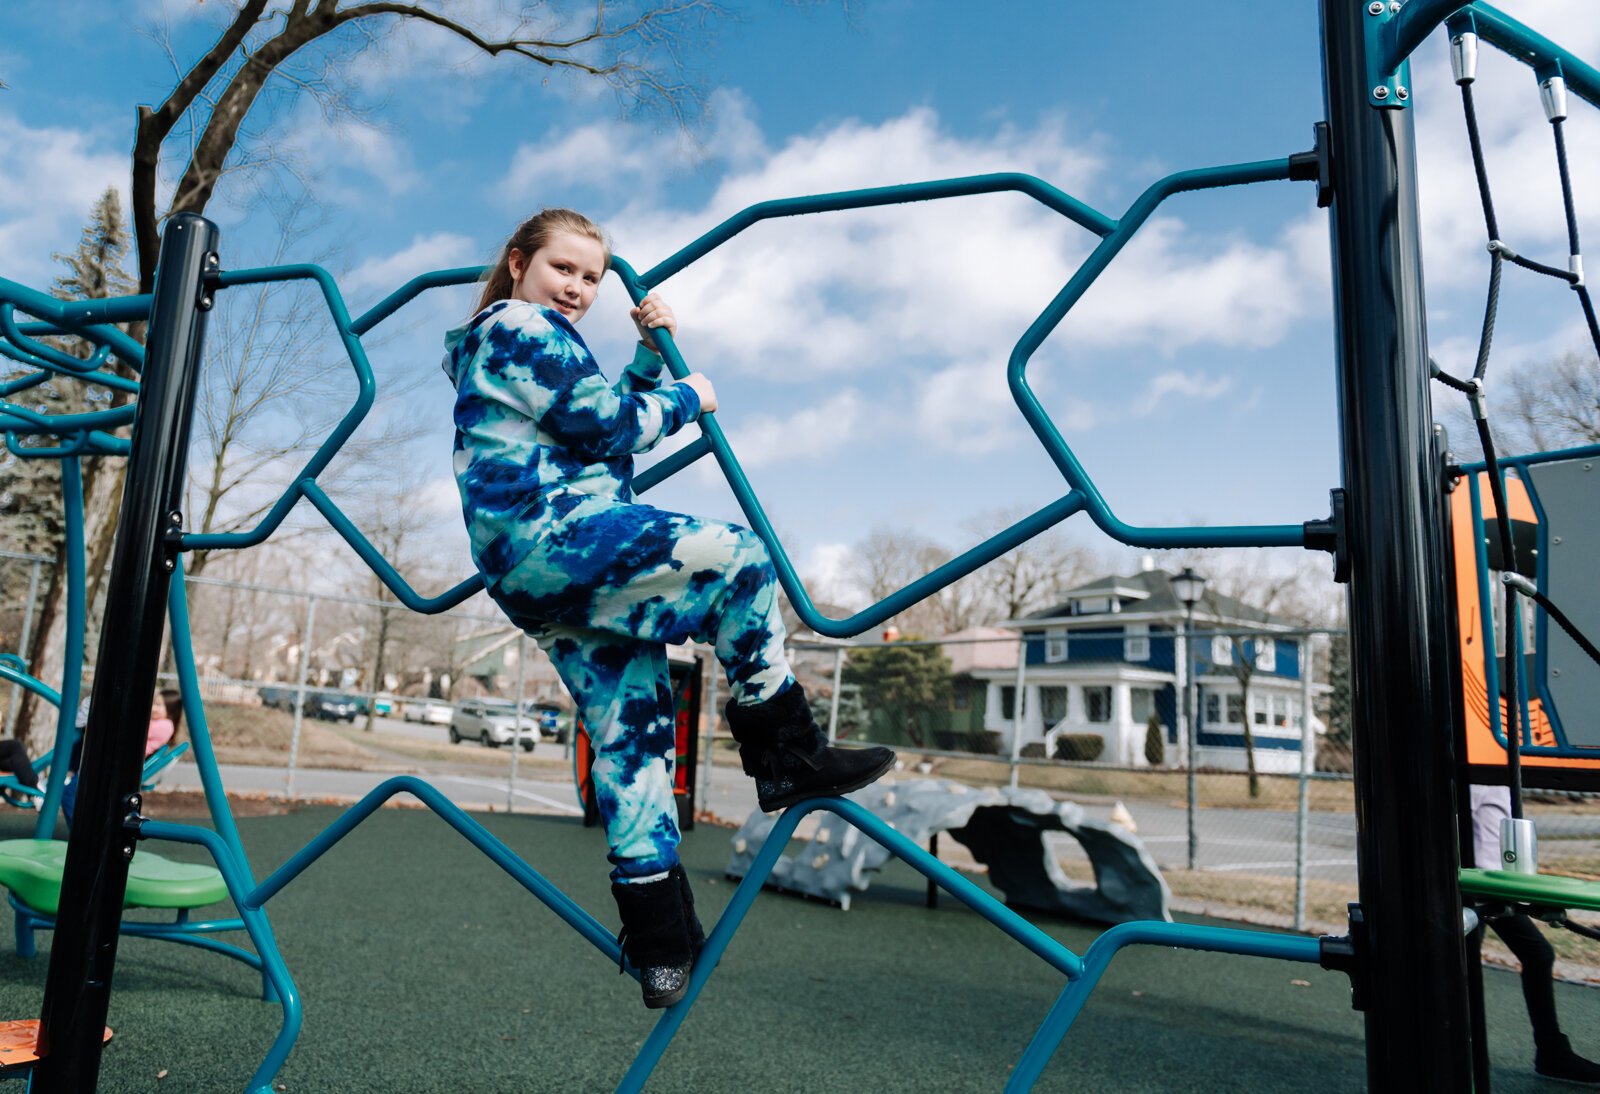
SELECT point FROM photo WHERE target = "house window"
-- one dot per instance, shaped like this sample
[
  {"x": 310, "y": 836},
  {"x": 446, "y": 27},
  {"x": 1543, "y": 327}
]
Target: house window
[
  {"x": 1236, "y": 710},
  {"x": 1008, "y": 702},
  {"x": 963, "y": 695},
  {"x": 1095, "y": 605},
  {"x": 1285, "y": 712},
  {"x": 1266, "y": 654},
  {"x": 1259, "y": 705},
  {"x": 1053, "y": 705},
  {"x": 1141, "y": 703},
  {"x": 1213, "y": 708},
  {"x": 1055, "y": 645},
  {"x": 1221, "y": 650},
  {"x": 1136, "y": 642},
  {"x": 1097, "y": 703}
]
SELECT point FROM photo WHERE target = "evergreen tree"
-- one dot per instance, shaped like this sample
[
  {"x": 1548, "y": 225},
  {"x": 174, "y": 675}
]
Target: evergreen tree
[{"x": 31, "y": 516}]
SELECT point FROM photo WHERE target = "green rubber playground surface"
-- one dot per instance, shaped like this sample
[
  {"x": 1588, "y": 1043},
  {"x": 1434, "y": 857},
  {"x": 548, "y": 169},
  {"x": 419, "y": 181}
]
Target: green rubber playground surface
[{"x": 423, "y": 968}]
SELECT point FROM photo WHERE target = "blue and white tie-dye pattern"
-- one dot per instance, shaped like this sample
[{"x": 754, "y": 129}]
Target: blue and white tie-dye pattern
[{"x": 543, "y": 459}]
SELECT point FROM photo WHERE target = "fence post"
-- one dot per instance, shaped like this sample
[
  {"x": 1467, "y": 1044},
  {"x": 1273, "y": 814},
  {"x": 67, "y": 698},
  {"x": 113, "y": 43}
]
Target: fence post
[
  {"x": 1191, "y": 739},
  {"x": 1302, "y": 812},
  {"x": 713, "y": 714},
  {"x": 516, "y": 734},
  {"x": 1017, "y": 704},
  {"x": 833, "y": 708},
  {"x": 300, "y": 696},
  {"x": 22, "y": 643}
]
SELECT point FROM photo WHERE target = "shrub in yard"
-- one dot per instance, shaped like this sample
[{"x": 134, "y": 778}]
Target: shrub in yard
[
  {"x": 1080, "y": 746},
  {"x": 1155, "y": 741},
  {"x": 1034, "y": 750}
]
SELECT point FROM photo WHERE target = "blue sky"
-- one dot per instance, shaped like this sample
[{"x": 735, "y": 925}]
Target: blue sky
[{"x": 860, "y": 357}]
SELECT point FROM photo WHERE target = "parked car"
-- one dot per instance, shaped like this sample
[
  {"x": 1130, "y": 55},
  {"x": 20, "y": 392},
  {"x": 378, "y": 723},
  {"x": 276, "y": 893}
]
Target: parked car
[
  {"x": 429, "y": 712},
  {"x": 492, "y": 723},
  {"x": 330, "y": 706},
  {"x": 333, "y": 706},
  {"x": 554, "y": 723}
]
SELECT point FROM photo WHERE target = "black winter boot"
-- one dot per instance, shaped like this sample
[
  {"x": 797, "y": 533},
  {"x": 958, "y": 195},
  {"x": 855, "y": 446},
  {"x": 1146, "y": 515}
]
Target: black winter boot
[
  {"x": 691, "y": 922},
  {"x": 782, "y": 748},
  {"x": 655, "y": 937},
  {"x": 1554, "y": 1059}
]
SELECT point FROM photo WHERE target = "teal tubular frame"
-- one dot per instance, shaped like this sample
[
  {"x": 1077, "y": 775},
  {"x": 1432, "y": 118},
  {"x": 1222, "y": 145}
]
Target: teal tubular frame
[
  {"x": 1420, "y": 18},
  {"x": 222, "y": 840},
  {"x": 1083, "y": 495}
]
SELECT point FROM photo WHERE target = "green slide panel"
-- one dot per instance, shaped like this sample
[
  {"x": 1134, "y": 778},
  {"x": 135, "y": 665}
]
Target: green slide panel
[
  {"x": 1545, "y": 890},
  {"x": 31, "y": 868}
]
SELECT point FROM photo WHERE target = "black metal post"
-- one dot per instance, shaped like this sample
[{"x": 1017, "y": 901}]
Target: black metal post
[
  {"x": 1410, "y": 965},
  {"x": 83, "y": 956}
]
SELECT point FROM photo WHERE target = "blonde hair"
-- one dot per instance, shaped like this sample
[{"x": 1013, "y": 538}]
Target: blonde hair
[{"x": 530, "y": 235}]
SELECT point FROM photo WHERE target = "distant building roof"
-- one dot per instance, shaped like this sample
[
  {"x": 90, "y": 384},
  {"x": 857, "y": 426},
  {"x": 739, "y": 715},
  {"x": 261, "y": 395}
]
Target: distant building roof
[{"x": 1153, "y": 591}]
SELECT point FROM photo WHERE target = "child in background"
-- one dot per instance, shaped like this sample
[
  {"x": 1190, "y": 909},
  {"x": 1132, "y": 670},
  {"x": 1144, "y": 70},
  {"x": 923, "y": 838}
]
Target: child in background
[
  {"x": 1553, "y": 1056},
  {"x": 544, "y": 461}
]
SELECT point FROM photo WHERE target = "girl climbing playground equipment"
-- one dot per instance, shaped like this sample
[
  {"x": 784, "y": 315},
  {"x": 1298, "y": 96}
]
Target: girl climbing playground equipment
[{"x": 1404, "y": 952}]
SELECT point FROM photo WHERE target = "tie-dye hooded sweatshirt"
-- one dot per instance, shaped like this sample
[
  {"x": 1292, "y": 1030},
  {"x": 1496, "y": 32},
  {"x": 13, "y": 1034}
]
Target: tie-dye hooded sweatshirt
[{"x": 538, "y": 428}]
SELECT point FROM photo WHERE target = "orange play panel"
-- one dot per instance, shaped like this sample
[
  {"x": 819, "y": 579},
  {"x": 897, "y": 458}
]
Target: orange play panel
[{"x": 18, "y": 1041}]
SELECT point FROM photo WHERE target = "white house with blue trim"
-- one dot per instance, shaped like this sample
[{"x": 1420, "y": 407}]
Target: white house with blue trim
[{"x": 1108, "y": 656}]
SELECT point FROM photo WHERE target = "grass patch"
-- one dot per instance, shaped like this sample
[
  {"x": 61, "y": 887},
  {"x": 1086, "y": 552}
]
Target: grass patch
[{"x": 244, "y": 734}]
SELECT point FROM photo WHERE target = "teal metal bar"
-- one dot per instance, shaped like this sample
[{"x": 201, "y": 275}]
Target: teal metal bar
[
  {"x": 1084, "y": 495},
  {"x": 1419, "y": 18},
  {"x": 1062, "y": 455},
  {"x": 381, "y": 566},
  {"x": 462, "y": 275},
  {"x": 28, "y": 421},
  {"x": 104, "y": 379},
  {"x": 1034, "y": 940},
  {"x": 17, "y": 676},
  {"x": 80, "y": 317},
  {"x": 1151, "y": 933},
  {"x": 1580, "y": 452},
  {"x": 366, "y": 393},
  {"x": 480, "y": 837},
  {"x": 1065, "y": 204},
  {"x": 280, "y": 988}
]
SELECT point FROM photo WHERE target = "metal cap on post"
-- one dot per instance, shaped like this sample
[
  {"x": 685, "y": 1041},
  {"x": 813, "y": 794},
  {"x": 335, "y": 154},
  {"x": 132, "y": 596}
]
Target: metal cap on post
[
  {"x": 104, "y": 831},
  {"x": 1406, "y": 955}
]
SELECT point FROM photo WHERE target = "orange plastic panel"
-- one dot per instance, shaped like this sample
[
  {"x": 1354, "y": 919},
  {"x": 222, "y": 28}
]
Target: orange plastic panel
[{"x": 19, "y": 1043}]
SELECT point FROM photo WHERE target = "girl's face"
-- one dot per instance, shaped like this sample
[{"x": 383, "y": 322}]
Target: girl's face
[
  {"x": 158, "y": 708},
  {"x": 564, "y": 274}
]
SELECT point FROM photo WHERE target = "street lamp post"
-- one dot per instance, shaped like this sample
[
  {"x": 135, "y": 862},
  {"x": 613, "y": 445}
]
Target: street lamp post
[{"x": 1188, "y": 587}]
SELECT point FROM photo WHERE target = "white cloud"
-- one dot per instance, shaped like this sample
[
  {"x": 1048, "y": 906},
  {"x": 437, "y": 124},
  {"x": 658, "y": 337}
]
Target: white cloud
[
  {"x": 825, "y": 571},
  {"x": 49, "y": 180},
  {"x": 762, "y": 439},
  {"x": 437, "y": 251},
  {"x": 348, "y": 155},
  {"x": 948, "y": 287},
  {"x": 1189, "y": 385}
]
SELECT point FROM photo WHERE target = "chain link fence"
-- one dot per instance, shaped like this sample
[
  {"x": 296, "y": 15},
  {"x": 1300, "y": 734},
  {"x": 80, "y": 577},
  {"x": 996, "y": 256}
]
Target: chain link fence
[{"x": 1202, "y": 745}]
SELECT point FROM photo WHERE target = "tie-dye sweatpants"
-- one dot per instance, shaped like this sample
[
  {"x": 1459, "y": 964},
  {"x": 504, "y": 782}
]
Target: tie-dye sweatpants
[{"x": 604, "y": 593}]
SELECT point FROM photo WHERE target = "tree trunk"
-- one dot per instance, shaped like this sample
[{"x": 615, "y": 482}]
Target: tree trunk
[
  {"x": 36, "y": 719},
  {"x": 1249, "y": 741}
]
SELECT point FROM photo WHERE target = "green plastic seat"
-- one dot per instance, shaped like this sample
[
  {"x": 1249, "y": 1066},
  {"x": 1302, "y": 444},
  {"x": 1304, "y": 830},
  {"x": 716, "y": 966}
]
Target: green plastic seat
[
  {"x": 1545, "y": 890},
  {"x": 32, "y": 869}
]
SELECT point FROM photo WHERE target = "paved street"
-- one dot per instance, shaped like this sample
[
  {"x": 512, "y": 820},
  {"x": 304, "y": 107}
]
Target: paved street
[{"x": 1261, "y": 841}]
